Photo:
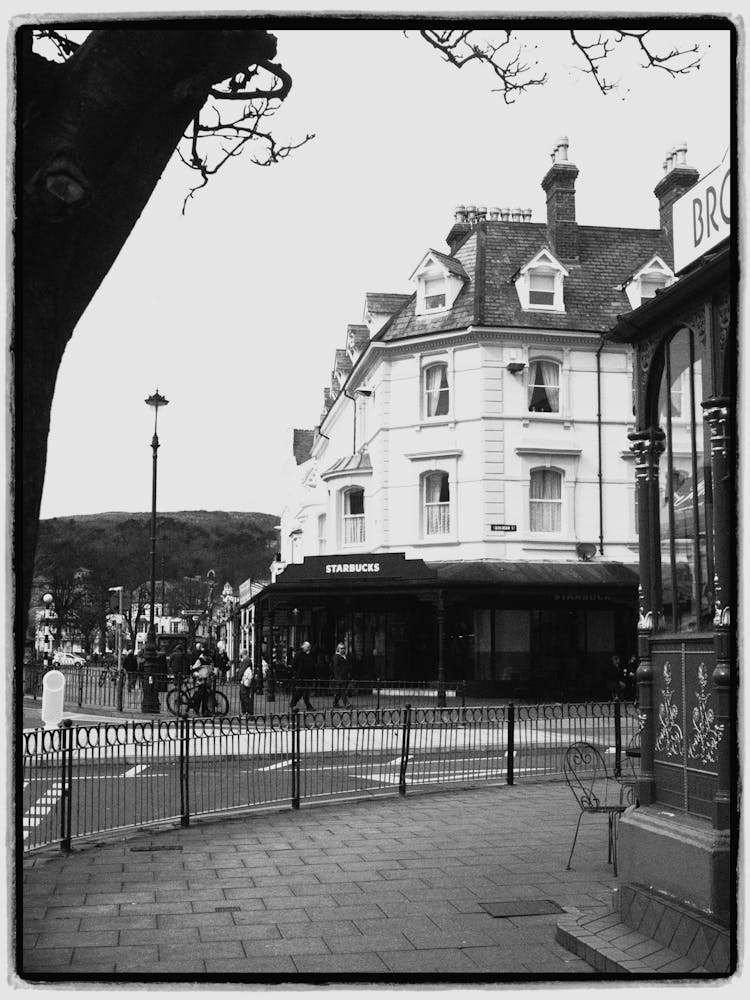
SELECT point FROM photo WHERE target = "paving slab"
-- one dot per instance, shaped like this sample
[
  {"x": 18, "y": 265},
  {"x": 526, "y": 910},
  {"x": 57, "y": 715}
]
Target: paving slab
[{"x": 381, "y": 887}]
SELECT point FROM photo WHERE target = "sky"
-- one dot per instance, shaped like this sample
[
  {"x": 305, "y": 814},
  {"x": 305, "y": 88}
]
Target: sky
[{"x": 234, "y": 309}]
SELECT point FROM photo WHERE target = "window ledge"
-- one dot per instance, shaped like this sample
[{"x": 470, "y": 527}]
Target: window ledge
[
  {"x": 449, "y": 422},
  {"x": 441, "y": 540}
]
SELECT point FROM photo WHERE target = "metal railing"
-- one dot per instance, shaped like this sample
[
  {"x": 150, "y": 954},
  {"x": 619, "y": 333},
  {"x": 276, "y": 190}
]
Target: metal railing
[{"x": 84, "y": 780}]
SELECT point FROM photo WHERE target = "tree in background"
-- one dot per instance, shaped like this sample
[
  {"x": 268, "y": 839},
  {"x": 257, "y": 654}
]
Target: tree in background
[{"x": 97, "y": 128}]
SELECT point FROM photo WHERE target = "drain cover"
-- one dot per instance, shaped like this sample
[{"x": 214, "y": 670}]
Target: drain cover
[
  {"x": 522, "y": 907},
  {"x": 159, "y": 847}
]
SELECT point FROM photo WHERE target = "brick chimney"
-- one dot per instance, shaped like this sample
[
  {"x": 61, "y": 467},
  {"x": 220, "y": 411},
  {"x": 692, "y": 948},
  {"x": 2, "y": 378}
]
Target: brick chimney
[
  {"x": 678, "y": 178},
  {"x": 460, "y": 228},
  {"x": 559, "y": 184}
]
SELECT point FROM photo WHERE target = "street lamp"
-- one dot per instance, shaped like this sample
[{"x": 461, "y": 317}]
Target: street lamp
[
  {"x": 114, "y": 590},
  {"x": 47, "y": 601},
  {"x": 150, "y": 701}
]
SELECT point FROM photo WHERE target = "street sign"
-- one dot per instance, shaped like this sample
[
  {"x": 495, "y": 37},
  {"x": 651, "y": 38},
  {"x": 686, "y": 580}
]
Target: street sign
[
  {"x": 502, "y": 527},
  {"x": 701, "y": 218}
]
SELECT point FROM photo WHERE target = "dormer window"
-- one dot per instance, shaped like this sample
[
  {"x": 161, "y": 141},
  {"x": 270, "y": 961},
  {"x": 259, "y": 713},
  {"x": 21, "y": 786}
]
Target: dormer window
[
  {"x": 434, "y": 293},
  {"x": 439, "y": 279},
  {"x": 646, "y": 282},
  {"x": 539, "y": 284}
]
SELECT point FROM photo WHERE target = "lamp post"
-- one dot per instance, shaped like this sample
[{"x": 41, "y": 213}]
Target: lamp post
[
  {"x": 150, "y": 701},
  {"x": 114, "y": 590},
  {"x": 47, "y": 601}
]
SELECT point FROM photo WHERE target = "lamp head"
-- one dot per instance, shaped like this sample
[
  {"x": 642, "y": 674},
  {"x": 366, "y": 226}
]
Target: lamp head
[{"x": 156, "y": 400}]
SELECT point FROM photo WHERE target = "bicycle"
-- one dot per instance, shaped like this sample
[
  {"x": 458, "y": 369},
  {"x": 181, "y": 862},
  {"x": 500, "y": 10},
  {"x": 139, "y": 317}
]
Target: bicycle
[
  {"x": 110, "y": 672},
  {"x": 180, "y": 699}
]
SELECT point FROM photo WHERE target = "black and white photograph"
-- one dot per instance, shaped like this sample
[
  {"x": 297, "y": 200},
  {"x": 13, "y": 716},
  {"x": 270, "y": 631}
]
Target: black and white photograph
[{"x": 373, "y": 510}]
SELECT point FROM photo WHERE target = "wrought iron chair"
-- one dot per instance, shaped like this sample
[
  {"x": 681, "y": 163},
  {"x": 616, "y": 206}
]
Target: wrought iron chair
[{"x": 596, "y": 791}]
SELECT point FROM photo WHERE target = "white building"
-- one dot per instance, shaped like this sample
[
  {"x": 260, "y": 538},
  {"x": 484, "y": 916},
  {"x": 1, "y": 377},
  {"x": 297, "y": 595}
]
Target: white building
[{"x": 466, "y": 506}]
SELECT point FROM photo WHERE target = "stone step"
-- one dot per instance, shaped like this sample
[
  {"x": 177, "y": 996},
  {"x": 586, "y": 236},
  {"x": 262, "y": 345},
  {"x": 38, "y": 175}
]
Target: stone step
[{"x": 600, "y": 938}]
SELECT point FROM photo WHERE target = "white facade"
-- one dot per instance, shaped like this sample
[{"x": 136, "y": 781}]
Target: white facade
[{"x": 487, "y": 442}]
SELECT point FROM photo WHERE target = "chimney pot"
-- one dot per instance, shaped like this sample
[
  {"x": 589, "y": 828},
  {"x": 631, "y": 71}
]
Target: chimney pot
[
  {"x": 460, "y": 213},
  {"x": 505, "y": 214},
  {"x": 494, "y": 213},
  {"x": 481, "y": 212},
  {"x": 517, "y": 214},
  {"x": 561, "y": 149}
]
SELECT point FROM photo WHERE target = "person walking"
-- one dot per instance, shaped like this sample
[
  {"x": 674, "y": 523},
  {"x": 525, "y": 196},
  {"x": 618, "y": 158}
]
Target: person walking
[
  {"x": 342, "y": 676},
  {"x": 202, "y": 671},
  {"x": 303, "y": 671},
  {"x": 247, "y": 685},
  {"x": 178, "y": 662},
  {"x": 130, "y": 663}
]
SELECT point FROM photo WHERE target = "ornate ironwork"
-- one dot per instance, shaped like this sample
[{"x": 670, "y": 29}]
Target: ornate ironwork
[
  {"x": 669, "y": 738},
  {"x": 706, "y": 731}
]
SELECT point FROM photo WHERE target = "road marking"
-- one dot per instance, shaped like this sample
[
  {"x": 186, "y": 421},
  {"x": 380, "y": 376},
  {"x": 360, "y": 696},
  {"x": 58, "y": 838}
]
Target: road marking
[
  {"x": 275, "y": 767},
  {"x": 134, "y": 771},
  {"x": 41, "y": 808}
]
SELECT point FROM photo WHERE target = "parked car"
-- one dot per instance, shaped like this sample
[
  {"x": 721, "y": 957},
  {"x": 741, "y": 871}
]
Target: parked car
[{"x": 68, "y": 659}]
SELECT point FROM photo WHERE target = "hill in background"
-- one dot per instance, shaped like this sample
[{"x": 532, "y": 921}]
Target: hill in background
[{"x": 236, "y": 545}]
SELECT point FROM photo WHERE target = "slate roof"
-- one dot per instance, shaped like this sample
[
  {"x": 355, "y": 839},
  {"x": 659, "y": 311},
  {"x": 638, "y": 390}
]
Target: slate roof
[
  {"x": 385, "y": 302},
  {"x": 493, "y": 251}
]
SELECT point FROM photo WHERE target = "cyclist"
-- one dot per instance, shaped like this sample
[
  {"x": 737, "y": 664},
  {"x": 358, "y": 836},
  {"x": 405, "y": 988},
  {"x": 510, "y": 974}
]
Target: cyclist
[{"x": 202, "y": 671}]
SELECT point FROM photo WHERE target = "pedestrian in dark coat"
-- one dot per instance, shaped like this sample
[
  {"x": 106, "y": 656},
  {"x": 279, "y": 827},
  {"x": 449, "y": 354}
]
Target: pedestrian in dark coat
[
  {"x": 130, "y": 663},
  {"x": 179, "y": 664},
  {"x": 303, "y": 671},
  {"x": 342, "y": 675}
]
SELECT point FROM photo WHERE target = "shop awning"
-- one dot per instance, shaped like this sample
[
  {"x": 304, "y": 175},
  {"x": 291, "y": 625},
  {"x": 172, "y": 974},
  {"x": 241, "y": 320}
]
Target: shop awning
[
  {"x": 393, "y": 573},
  {"x": 538, "y": 574}
]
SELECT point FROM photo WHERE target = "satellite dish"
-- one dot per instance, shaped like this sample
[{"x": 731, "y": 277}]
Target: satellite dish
[{"x": 585, "y": 551}]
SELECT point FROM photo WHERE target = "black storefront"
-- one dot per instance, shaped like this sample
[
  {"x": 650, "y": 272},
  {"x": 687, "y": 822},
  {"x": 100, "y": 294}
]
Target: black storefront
[
  {"x": 681, "y": 841},
  {"x": 532, "y": 630}
]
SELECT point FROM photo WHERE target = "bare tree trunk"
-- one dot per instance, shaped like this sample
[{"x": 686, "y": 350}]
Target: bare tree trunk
[{"x": 96, "y": 134}]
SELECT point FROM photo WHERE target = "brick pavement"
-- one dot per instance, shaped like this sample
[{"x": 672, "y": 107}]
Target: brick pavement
[{"x": 373, "y": 890}]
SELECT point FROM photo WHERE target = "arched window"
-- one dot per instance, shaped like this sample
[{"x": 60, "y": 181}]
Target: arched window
[
  {"x": 545, "y": 500},
  {"x": 354, "y": 516},
  {"x": 436, "y": 392},
  {"x": 544, "y": 386},
  {"x": 437, "y": 503},
  {"x": 685, "y": 489}
]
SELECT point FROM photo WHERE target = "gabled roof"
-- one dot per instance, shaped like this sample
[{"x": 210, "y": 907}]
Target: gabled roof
[
  {"x": 533, "y": 261},
  {"x": 653, "y": 261},
  {"x": 493, "y": 253},
  {"x": 451, "y": 265}
]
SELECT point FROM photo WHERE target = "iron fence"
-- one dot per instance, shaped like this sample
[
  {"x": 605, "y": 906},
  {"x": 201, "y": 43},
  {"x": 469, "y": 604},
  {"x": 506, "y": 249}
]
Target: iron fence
[
  {"x": 104, "y": 687},
  {"x": 84, "y": 780}
]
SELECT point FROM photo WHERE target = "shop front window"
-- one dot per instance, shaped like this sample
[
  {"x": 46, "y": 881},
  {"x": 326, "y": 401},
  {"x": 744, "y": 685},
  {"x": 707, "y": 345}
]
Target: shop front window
[{"x": 685, "y": 501}]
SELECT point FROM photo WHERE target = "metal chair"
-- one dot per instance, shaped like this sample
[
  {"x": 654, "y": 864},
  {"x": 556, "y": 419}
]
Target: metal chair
[{"x": 595, "y": 792}]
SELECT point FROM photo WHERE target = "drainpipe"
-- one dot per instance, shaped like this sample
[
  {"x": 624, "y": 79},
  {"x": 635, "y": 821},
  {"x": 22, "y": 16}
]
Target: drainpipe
[{"x": 599, "y": 441}]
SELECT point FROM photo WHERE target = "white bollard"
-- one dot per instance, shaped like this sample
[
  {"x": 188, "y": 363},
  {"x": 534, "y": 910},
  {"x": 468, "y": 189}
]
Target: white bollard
[{"x": 53, "y": 698}]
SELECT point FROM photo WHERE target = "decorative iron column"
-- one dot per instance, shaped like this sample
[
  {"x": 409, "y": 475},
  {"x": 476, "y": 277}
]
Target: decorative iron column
[
  {"x": 647, "y": 447},
  {"x": 440, "y": 614},
  {"x": 718, "y": 418},
  {"x": 271, "y": 688}
]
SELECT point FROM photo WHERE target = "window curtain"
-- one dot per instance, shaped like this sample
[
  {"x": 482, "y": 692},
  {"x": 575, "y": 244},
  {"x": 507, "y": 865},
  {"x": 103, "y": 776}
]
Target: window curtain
[
  {"x": 436, "y": 389},
  {"x": 355, "y": 502},
  {"x": 545, "y": 495},
  {"x": 436, "y": 488},
  {"x": 544, "y": 387}
]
